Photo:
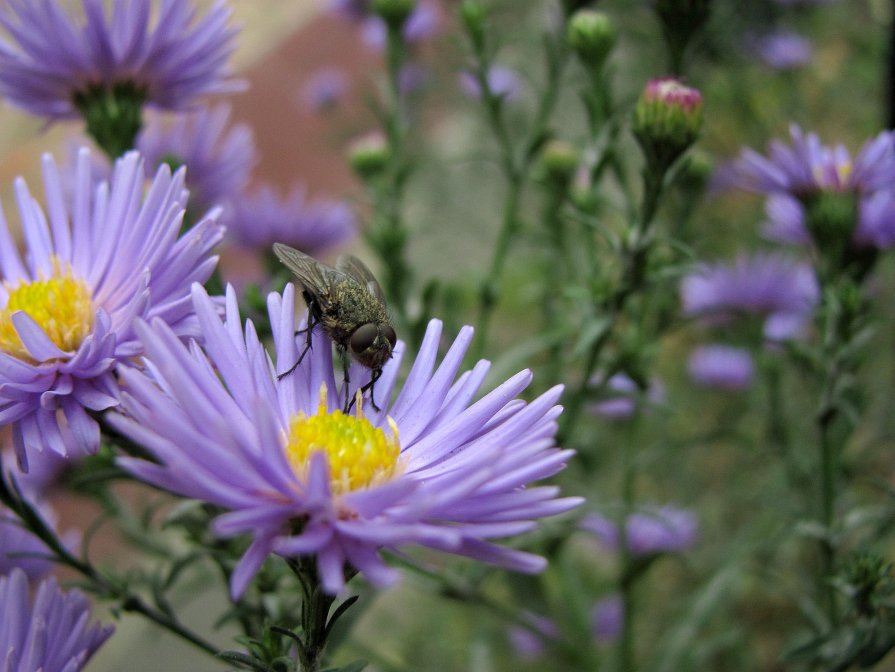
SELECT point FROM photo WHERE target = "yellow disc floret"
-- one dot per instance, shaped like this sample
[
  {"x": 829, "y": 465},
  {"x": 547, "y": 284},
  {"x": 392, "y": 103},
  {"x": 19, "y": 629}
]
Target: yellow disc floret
[
  {"x": 359, "y": 454},
  {"x": 61, "y": 305}
]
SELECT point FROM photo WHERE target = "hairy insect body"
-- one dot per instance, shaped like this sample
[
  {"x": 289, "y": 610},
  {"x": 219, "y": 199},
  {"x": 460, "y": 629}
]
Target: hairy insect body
[
  {"x": 346, "y": 312},
  {"x": 348, "y": 303}
]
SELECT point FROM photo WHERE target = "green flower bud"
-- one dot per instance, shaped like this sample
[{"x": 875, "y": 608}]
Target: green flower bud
[
  {"x": 683, "y": 16},
  {"x": 591, "y": 35},
  {"x": 559, "y": 161},
  {"x": 572, "y": 6},
  {"x": 474, "y": 14},
  {"x": 393, "y": 12},
  {"x": 667, "y": 120},
  {"x": 369, "y": 155}
]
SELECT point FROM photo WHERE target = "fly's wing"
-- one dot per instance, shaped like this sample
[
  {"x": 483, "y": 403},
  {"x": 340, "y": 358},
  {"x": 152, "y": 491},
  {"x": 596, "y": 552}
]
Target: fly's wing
[
  {"x": 315, "y": 278},
  {"x": 356, "y": 269}
]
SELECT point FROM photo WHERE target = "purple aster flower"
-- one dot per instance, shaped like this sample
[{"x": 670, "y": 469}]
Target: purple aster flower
[
  {"x": 607, "y": 618},
  {"x": 324, "y": 89},
  {"x": 259, "y": 219},
  {"x": 44, "y": 470},
  {"x": 504, "y": 83},
  {"x": 95, "y": 262},
  {"x": 785, "y": 221},
  {"x": 53, "y": 55},
  {"x": 305, "y": 479},
  {"x": 623, "y": 396},
  {"x": 649, "y": 531},
  {"x": 528, "y": 644},
  {"x": 50, "y": 633},
  {"x": 19, "y": 548},
  {"x": 783, "y": 50},
  {"x": 218, "y": 157},
  {"x": 768, "y": 285},
  {"x": 423, "y": 24},
  {"x": 808, "y": 167},
  {"x": 353, "y": 10},
  {"x": 721, "y": 367}
]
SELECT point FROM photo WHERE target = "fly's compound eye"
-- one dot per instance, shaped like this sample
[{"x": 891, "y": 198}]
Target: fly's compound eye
[
  {"x": 389, "y": 333},
  {"x": 363, "y": 337}
]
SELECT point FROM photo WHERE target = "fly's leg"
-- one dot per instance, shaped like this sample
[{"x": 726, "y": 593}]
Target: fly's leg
[
  {"x": 346, "y": 379},
  {"x": 369, "y": 386},
  {"x": 308, "y": 330}
]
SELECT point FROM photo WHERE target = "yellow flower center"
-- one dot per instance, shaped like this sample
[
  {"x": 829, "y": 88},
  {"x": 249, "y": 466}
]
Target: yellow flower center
[
  {"x": 359, "y": 454},
  {"x": 61, "y": 305}
]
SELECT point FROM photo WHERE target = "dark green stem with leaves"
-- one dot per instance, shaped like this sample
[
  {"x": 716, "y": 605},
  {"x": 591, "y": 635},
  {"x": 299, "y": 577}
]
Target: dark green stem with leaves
[
  {"x": 316, "y": 623},
  {"x": 515, "y": 167},
  {"x": 388, "y": 234},
  {"x": 98, "y": 583},
  {"x": 634, "y": 253}
]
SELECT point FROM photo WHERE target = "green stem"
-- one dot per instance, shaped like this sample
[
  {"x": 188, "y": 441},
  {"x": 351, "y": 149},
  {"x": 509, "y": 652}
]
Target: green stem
[
  {"x": 315, "y": 625},
  {"x": 556, "y": 271},
  {"x": 634, "y": 257},
  {"x": 388, "y": 234},
  {"x": 101, "y": 585},
  {"x": 829, "y": 470},
  {"x": 515, "y": 170},
  {"x": 627, "y": 578}
]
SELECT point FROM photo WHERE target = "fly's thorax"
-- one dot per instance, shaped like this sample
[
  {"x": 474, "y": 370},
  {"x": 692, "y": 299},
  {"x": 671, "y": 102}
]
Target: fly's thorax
[{"x": 351, "y": 306}]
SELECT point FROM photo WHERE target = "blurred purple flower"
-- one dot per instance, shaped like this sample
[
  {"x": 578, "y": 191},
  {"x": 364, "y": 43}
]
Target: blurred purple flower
[
  {"x": 607, "y": 618},
  {"x": 412, "y": 77},
  {"x": 324, "y": 89},
  {"x": 768, "y": 285},
  {"x": 19, "y": 548},
  {"x": 808, "y": 167},
  {"x": 52, "y": 54},
  {"x": 623, "y": 395},
  {"x": 354, "y": 10},
  {"x": 649, "y": 531},
  {"x": 785, "y": 221},
  {"x": 96, "y": 262},
  {"x": 49, "y": 633},
  {"x": 218, "y": 158},
  {"x": 260, "y": 218},
  {"x": 721, "y": 367},
  {"x": 504, "y": 83},
  {"x": 528, "y": 644},
  {"x": 302, "y": 478},
  {"x": 423, "y": 24},
  {"x": 783, "y": 50}
]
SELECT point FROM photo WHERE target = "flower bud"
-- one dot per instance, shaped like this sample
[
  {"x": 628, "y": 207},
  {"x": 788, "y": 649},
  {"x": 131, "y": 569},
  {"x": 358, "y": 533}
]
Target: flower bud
[
  {"x": 369, "y": 155},
  {"x": 473, "y": 14},
  {"x": 591, "y": 35},
  {"x": 572, "y": 6},
  {"x": 685, "y": 16},
  {"x": 559, "y": 161},
  {"x": 393, "y": 12},
  {"x": 667, "y": 120}
]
